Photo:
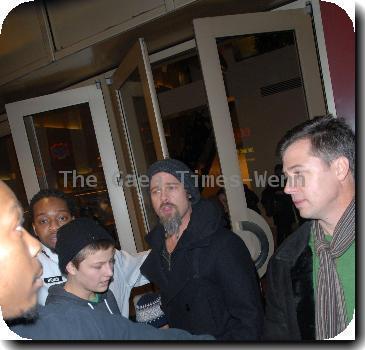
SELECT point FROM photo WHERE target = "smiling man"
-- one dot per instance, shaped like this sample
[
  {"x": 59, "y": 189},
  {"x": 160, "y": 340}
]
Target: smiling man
[
  {"x": 20, "y": 269},
  {"x": 311, "y": 277},
  {"x": 207, "y": 280}
]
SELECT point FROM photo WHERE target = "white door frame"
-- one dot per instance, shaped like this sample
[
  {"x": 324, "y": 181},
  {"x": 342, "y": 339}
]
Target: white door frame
[
  {"x": 93, "y": 96},
  {"x": 206, "y": 31}
]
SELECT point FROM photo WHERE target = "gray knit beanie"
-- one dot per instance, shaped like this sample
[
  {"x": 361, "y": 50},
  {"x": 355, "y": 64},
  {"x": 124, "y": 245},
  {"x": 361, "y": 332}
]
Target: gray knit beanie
[{"x": 180, "y": 171}]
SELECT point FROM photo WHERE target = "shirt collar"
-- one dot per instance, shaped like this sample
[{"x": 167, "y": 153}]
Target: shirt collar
[{"x": 49, "y": 253}]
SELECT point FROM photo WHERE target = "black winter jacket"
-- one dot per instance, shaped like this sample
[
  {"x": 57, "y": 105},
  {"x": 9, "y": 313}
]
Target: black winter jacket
[
  {"x": 67, "y": 317},
  {"x": 212, "y": 286},
  {"x": 290, "y": 309}
]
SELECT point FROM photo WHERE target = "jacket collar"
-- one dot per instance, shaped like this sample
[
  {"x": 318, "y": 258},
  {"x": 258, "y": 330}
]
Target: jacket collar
[
  {"x": 204, "y": 221},
  {"x": 294, "y": 245},
  {"x": 57, "y": 294},
  {"x": 49, "y": 253}
]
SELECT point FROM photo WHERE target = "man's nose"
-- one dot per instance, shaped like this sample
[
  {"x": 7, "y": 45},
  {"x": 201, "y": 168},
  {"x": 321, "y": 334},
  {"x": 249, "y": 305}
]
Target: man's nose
[
  {"x": 109, "y": 270},
  {"x": 32, "y": 243},
  {"x": 164, "y": 196},
  {"x": 290, "y": 186},
  {"x": 54, "y": 225}
]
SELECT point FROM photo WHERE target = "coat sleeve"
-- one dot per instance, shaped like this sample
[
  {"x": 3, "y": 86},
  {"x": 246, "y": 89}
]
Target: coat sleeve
[
  {"x": 242, "y": 295},
  {"x": 123, "y": 329},
  {"x": 127, "y": 275},
  {"x": 85, "y": 324},
  {"x": 275, "y": 326},
  {"x": 128, "y": 267}
]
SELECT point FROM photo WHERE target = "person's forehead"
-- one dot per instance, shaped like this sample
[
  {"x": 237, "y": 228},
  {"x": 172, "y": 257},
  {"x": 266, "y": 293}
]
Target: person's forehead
[
  {"x": 10, "y": 205},
  {"x": 296, "y": 150},
  {"x": 163, "y": 178},
  {"x": 100, "y": 255},
  {"x": 51, "y": 202}
]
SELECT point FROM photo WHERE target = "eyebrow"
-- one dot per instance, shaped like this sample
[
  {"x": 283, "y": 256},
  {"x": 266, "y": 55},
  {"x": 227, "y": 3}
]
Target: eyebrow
[
  {"x": 165, "y": 184},
  {"x": 19, "y": 210},
  {"x": 103, "y": 261},
  {"x": 295, "y": 166}
]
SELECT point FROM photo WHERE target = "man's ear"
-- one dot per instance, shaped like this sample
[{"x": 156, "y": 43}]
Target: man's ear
[
  {"x": 341, "y": 166},
  {"x": 71, "y": 268}
]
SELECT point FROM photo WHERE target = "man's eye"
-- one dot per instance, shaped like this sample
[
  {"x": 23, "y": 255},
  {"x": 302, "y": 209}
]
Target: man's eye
[{"x": 43, "y": 221}]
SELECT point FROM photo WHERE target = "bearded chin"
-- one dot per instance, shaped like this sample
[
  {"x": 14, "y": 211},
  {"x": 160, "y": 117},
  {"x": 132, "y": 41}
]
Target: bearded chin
[
  {"x": 171, "y": 224},
  {"x": 27, "y": 316}
]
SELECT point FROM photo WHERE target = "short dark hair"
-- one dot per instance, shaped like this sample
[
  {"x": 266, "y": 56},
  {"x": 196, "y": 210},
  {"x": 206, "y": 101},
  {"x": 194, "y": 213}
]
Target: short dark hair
[
  {"x": 51, "y": 193},
  {"x": 89, "y": 249},
  {"x": 330, "y": 138}
]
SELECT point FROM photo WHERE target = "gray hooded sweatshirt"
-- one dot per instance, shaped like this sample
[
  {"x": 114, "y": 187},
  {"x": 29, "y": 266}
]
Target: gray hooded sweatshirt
[{"x": 67, "y": 317}]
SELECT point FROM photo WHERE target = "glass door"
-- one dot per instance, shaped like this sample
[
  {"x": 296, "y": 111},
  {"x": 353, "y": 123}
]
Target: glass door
[
  {"x": 261, "y": 77},
  {"x": 140, "y": 122},
  {"x": 63, "y": 141}
]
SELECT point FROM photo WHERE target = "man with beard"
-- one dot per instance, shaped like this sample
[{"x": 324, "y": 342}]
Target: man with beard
[
  {"x": 205, "y": 274},
  {"x": 20, "y": 280}
]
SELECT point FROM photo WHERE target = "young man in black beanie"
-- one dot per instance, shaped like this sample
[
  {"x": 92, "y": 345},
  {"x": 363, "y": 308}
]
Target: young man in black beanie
[
  {"x": 86, "y": 256},
  {"x": 83, "y": 308},
  {"x": 49, "y": 210},
  {"x": 207, "y": 280}
]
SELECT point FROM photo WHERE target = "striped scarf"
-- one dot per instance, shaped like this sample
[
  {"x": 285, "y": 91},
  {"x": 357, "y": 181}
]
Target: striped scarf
[{"x": 331, "y": 318}]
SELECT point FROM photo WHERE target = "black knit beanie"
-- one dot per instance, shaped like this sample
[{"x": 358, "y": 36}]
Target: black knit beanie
[
  {"x": 180, "y": 171},
  {"x": 75, "y": 236}
]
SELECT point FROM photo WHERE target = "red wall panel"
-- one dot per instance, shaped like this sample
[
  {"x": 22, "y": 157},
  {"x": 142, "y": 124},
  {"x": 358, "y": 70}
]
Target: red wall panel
[{"x": 340, "y": 43}]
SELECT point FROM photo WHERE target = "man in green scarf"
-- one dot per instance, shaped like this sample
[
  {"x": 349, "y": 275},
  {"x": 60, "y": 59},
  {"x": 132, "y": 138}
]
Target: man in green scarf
[{"x": 311, "y": 277}]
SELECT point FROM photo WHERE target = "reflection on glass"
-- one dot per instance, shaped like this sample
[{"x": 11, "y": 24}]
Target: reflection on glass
[
  {"x": 265, "y": 94},
  {"x": 185, "y": 116},
  {"x": 66, "y": 156},
  {"x": 10, "y": 171},
  {"x": 265, "y": 97},
  {"x": 140, "y": 136}
]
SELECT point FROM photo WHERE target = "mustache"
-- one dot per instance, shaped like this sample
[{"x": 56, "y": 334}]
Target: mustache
[{"x": 167, "y": 204}]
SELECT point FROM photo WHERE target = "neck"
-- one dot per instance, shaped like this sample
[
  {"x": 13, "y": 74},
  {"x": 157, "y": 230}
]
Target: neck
[
  {"x": 74, "y": 289},
  {"x": 329, "y": 223}
]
